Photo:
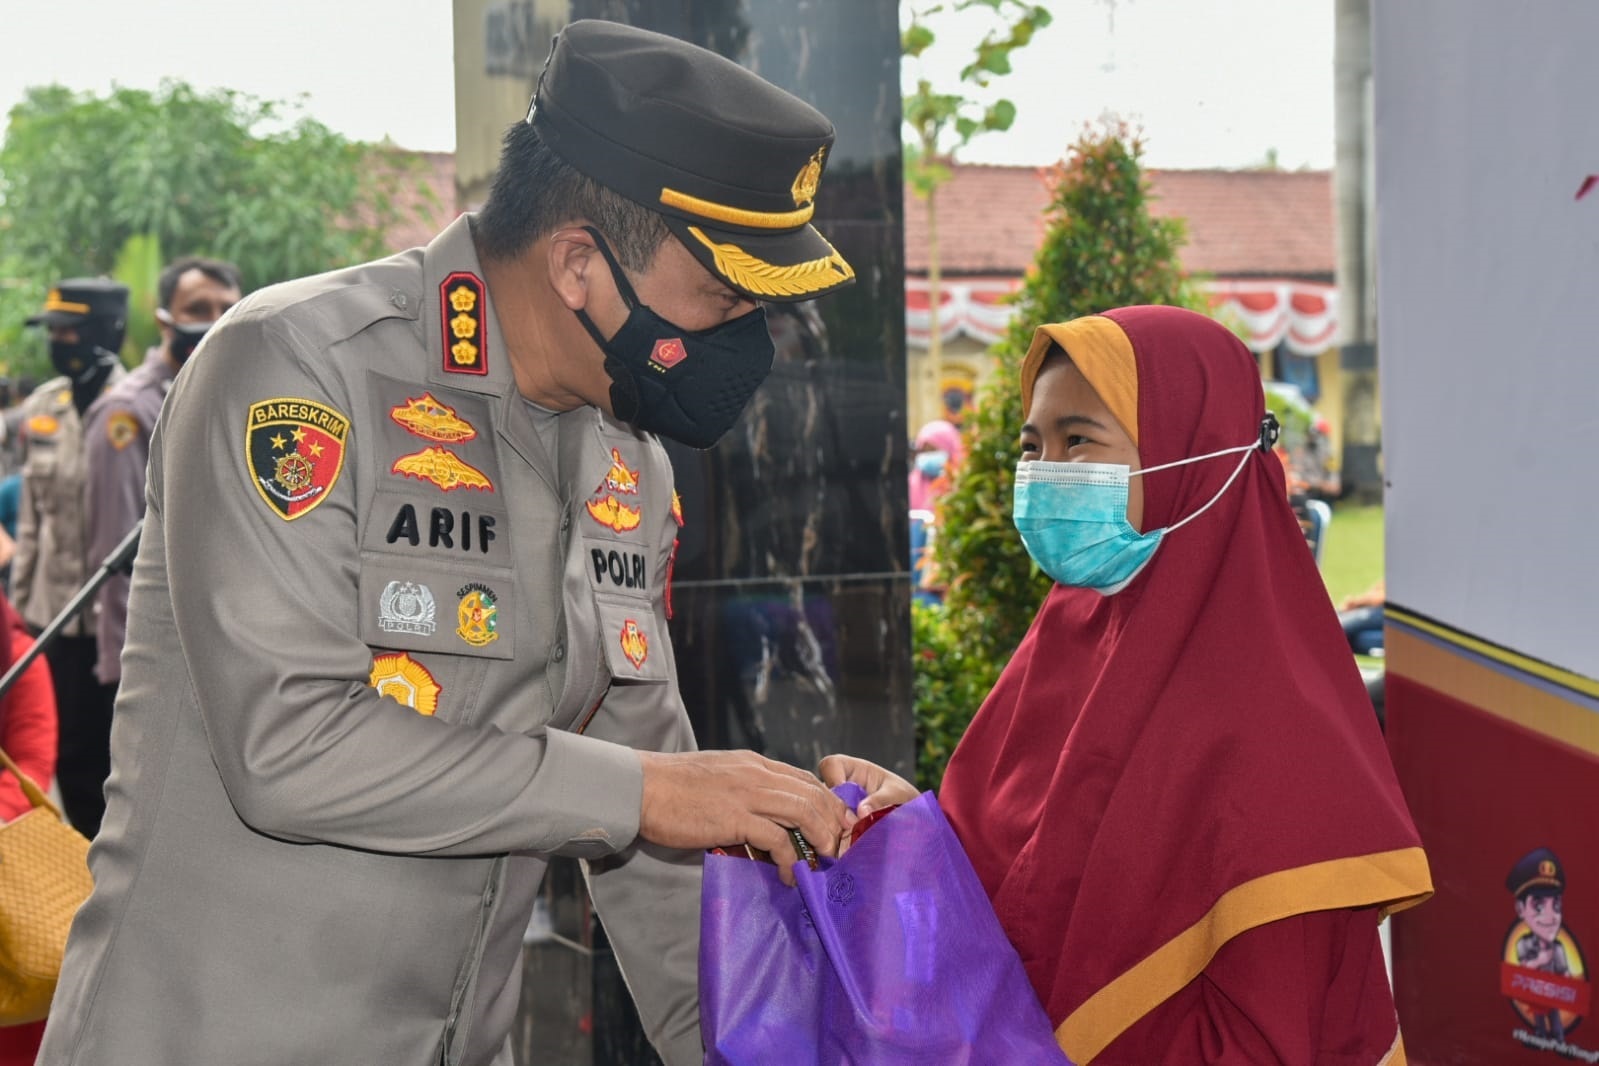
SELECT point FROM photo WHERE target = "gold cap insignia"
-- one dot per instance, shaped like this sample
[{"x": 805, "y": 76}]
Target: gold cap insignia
[
  {"x": 809, "y": 177},
  {"x": 1546, "y": 868}
]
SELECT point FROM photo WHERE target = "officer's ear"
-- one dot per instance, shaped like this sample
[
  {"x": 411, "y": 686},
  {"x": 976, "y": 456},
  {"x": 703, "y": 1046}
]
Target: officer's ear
[{"x": 573, "y": 263}]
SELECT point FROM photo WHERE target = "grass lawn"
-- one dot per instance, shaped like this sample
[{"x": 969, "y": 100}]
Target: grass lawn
[{"x": 1351, "y": 559}]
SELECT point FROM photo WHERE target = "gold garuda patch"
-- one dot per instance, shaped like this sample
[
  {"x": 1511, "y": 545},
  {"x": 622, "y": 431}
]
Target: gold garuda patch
[
  {"x": 444, "y": 468},
  {"x": 425, "y": 417}
]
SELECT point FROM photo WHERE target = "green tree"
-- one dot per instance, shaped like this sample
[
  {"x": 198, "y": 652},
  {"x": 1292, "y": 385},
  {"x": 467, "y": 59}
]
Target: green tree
[
  {"x": 1101, "y": 249},
  {"x": 939, "y": 124},
  {"x": 188, "y": 172}
]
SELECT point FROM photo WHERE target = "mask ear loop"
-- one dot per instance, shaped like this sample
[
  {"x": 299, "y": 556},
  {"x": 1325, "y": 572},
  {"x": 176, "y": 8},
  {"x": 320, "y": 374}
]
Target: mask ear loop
[
  {"x": 622, "y": 284},
  {"x": 1269, "y": 430}
]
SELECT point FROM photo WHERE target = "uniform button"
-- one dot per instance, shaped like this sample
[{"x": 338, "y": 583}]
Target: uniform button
[
  {"x": 559, "y": 652},
  {"x": 566, "y": 521}
]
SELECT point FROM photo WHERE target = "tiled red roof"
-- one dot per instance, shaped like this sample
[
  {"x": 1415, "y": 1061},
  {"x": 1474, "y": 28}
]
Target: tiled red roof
[
  {"x": 423, "y": 215},
  {"x": 1241, "y": 223}
]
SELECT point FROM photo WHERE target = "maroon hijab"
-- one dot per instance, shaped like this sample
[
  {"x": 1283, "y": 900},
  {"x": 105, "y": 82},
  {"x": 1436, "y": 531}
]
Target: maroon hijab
[{"x": 1162, "y": 769}]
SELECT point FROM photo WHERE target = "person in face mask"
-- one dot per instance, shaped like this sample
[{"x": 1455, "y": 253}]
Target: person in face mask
[
  {"x": 192, "y": 293},
  {"x": 1176, "y": 795},
  {"x": 398, "y": 632},
  {"x": 85, "y": 319}
]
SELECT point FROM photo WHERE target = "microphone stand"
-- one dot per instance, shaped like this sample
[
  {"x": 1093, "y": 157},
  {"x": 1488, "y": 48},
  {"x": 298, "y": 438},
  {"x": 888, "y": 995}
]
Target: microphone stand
[{"x": 119, "y": 561}]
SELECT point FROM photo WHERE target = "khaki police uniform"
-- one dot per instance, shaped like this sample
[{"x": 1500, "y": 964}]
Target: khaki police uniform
[
  {"x": 388, "y": 650},
  {"x": 116, "y": 439},
  {"x": 53, "y": 560}
]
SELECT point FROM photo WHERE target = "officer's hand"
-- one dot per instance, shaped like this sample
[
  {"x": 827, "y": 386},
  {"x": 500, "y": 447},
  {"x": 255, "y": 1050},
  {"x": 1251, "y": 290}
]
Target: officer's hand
[
  {"x": 883, "y": 788},
  {"x": 707, "y": 799}
]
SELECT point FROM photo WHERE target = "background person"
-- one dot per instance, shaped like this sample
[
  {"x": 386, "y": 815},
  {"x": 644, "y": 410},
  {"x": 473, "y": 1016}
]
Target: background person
[
  {"x": 1175, "y": 795},
  {"x": 86, "y": 319},
  {"x": 191, "y": 294}
]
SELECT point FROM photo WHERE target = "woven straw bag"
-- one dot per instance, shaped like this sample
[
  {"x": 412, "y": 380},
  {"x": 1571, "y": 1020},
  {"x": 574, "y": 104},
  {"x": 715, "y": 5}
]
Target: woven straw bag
[{"x": 44, "y": 878}]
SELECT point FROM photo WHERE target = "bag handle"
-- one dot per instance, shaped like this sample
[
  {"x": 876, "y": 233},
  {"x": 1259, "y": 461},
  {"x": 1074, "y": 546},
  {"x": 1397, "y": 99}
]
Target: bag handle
[{"x": 34, "y": 793}]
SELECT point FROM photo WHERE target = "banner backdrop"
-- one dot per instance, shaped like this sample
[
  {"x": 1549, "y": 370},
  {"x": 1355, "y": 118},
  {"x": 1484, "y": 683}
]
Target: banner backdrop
[{"x": 1487, "y": 149}]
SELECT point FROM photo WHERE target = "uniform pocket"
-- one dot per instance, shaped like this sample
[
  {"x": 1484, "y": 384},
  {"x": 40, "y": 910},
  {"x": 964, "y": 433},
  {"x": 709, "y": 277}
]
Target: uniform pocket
[{"x": 634, "y": 649}]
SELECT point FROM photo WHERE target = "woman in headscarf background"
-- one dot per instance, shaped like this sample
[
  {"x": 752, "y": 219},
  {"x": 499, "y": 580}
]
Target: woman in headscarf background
[
  {"x": 1177, "y": 795},
  {"x": 28, "y": 735}
]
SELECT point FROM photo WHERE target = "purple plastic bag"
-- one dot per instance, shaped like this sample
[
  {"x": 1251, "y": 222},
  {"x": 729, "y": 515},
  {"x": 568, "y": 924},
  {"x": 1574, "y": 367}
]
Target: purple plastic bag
[{"x": 890, "y": 955}]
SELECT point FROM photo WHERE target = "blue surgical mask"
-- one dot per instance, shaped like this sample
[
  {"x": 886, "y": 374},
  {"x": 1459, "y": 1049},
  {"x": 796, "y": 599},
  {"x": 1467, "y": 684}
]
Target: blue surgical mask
[
  {"x": 931, "y": 464},
  {"x": 1073, "y": 519}
]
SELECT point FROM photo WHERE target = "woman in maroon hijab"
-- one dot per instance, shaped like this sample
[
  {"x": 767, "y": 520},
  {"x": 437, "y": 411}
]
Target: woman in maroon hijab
[{"x": 1177, "y": 795}]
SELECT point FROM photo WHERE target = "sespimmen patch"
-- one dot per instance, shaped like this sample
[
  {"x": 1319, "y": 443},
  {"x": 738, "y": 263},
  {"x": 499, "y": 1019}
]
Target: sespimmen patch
[{"x": 295, "y": 450}]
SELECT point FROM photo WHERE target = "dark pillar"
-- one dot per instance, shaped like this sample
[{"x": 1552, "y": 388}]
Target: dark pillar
[{"x": 791, "y": 594}]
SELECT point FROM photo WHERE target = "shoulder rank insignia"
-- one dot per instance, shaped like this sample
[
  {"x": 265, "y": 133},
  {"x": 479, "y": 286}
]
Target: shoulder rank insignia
[
  {"x": 121, "y": 428},
  {"x": 43, "y": 426},
  {"x": 465, "y": 324},
  {"x": 635, "y": 645},
  {"x": 604, "y": 507},
  {"x": 426, "y": 417},
  {"x": 295, "y": 450},
  {"x": 478, "y": 625},
  {"x": 403, "y": 679},
  {"x": 444, "y": 468}
]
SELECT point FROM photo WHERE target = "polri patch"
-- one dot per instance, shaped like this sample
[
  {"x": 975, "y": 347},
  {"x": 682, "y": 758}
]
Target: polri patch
[
  {"x": 400, "y": 677},
  {"x": 121, "y": 429},
  {"x": 462, "y": 297},
  {"x": 295, "y": 451},
  {"x": 425, "y": 417},
  {"x": 444, "y": 468},
  {"x": 407, "y": 607}
]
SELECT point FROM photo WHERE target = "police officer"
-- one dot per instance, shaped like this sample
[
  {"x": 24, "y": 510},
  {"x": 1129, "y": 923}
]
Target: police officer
[
  {"x": 86, "y": 319},
  {"x": 191, "y": 294},
  {"x": 397, "y": 630}
]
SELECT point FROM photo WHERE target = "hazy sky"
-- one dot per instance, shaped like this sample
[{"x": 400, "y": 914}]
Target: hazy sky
[{"x": 1211, "y": 82}]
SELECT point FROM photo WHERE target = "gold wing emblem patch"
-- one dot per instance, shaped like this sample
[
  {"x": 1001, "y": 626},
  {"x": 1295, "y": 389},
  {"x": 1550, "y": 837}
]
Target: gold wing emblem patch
[
  {"x": 444, "y": 468},
  {"x": 426, "y": 417},
  {"x": 613, "y": 514}
]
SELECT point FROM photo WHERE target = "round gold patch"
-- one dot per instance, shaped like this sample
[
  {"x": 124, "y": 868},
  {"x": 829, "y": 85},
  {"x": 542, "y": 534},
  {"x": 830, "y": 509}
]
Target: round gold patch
[
  {"x": 121, "y": 429},
  {"x": 43, "y": 425},
  {"x": 406, "y": 681}
]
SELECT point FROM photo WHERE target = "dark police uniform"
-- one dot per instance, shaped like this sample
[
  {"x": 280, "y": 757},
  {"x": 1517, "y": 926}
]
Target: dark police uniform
[{"x": 393, "y": 636}]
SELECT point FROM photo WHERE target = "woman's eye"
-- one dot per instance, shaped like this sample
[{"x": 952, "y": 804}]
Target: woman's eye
[
  {"x": 1029, "y": 446},
  {"x": 1074, "y": 439}
]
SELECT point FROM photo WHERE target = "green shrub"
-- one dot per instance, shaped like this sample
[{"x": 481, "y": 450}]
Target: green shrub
[{"x": 1101, "y": 249}]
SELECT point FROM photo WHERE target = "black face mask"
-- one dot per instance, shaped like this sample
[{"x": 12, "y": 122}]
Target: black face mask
[
  {"x": 186, "y": 338},
  {"x": 689, "y": 386},
  {"x": 79, "y": 360}
]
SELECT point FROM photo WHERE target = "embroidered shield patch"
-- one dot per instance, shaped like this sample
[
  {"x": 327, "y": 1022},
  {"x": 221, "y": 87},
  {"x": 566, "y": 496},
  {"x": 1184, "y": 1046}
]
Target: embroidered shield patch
[
  {"x": 295, "y": 450},
  {"x": 635, "y": 645},
  {"x": 121, "y": 428}
]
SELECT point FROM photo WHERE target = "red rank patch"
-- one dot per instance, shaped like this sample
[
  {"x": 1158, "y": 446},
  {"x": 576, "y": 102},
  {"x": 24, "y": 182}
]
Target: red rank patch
[{"x": 464, "y": 321}]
